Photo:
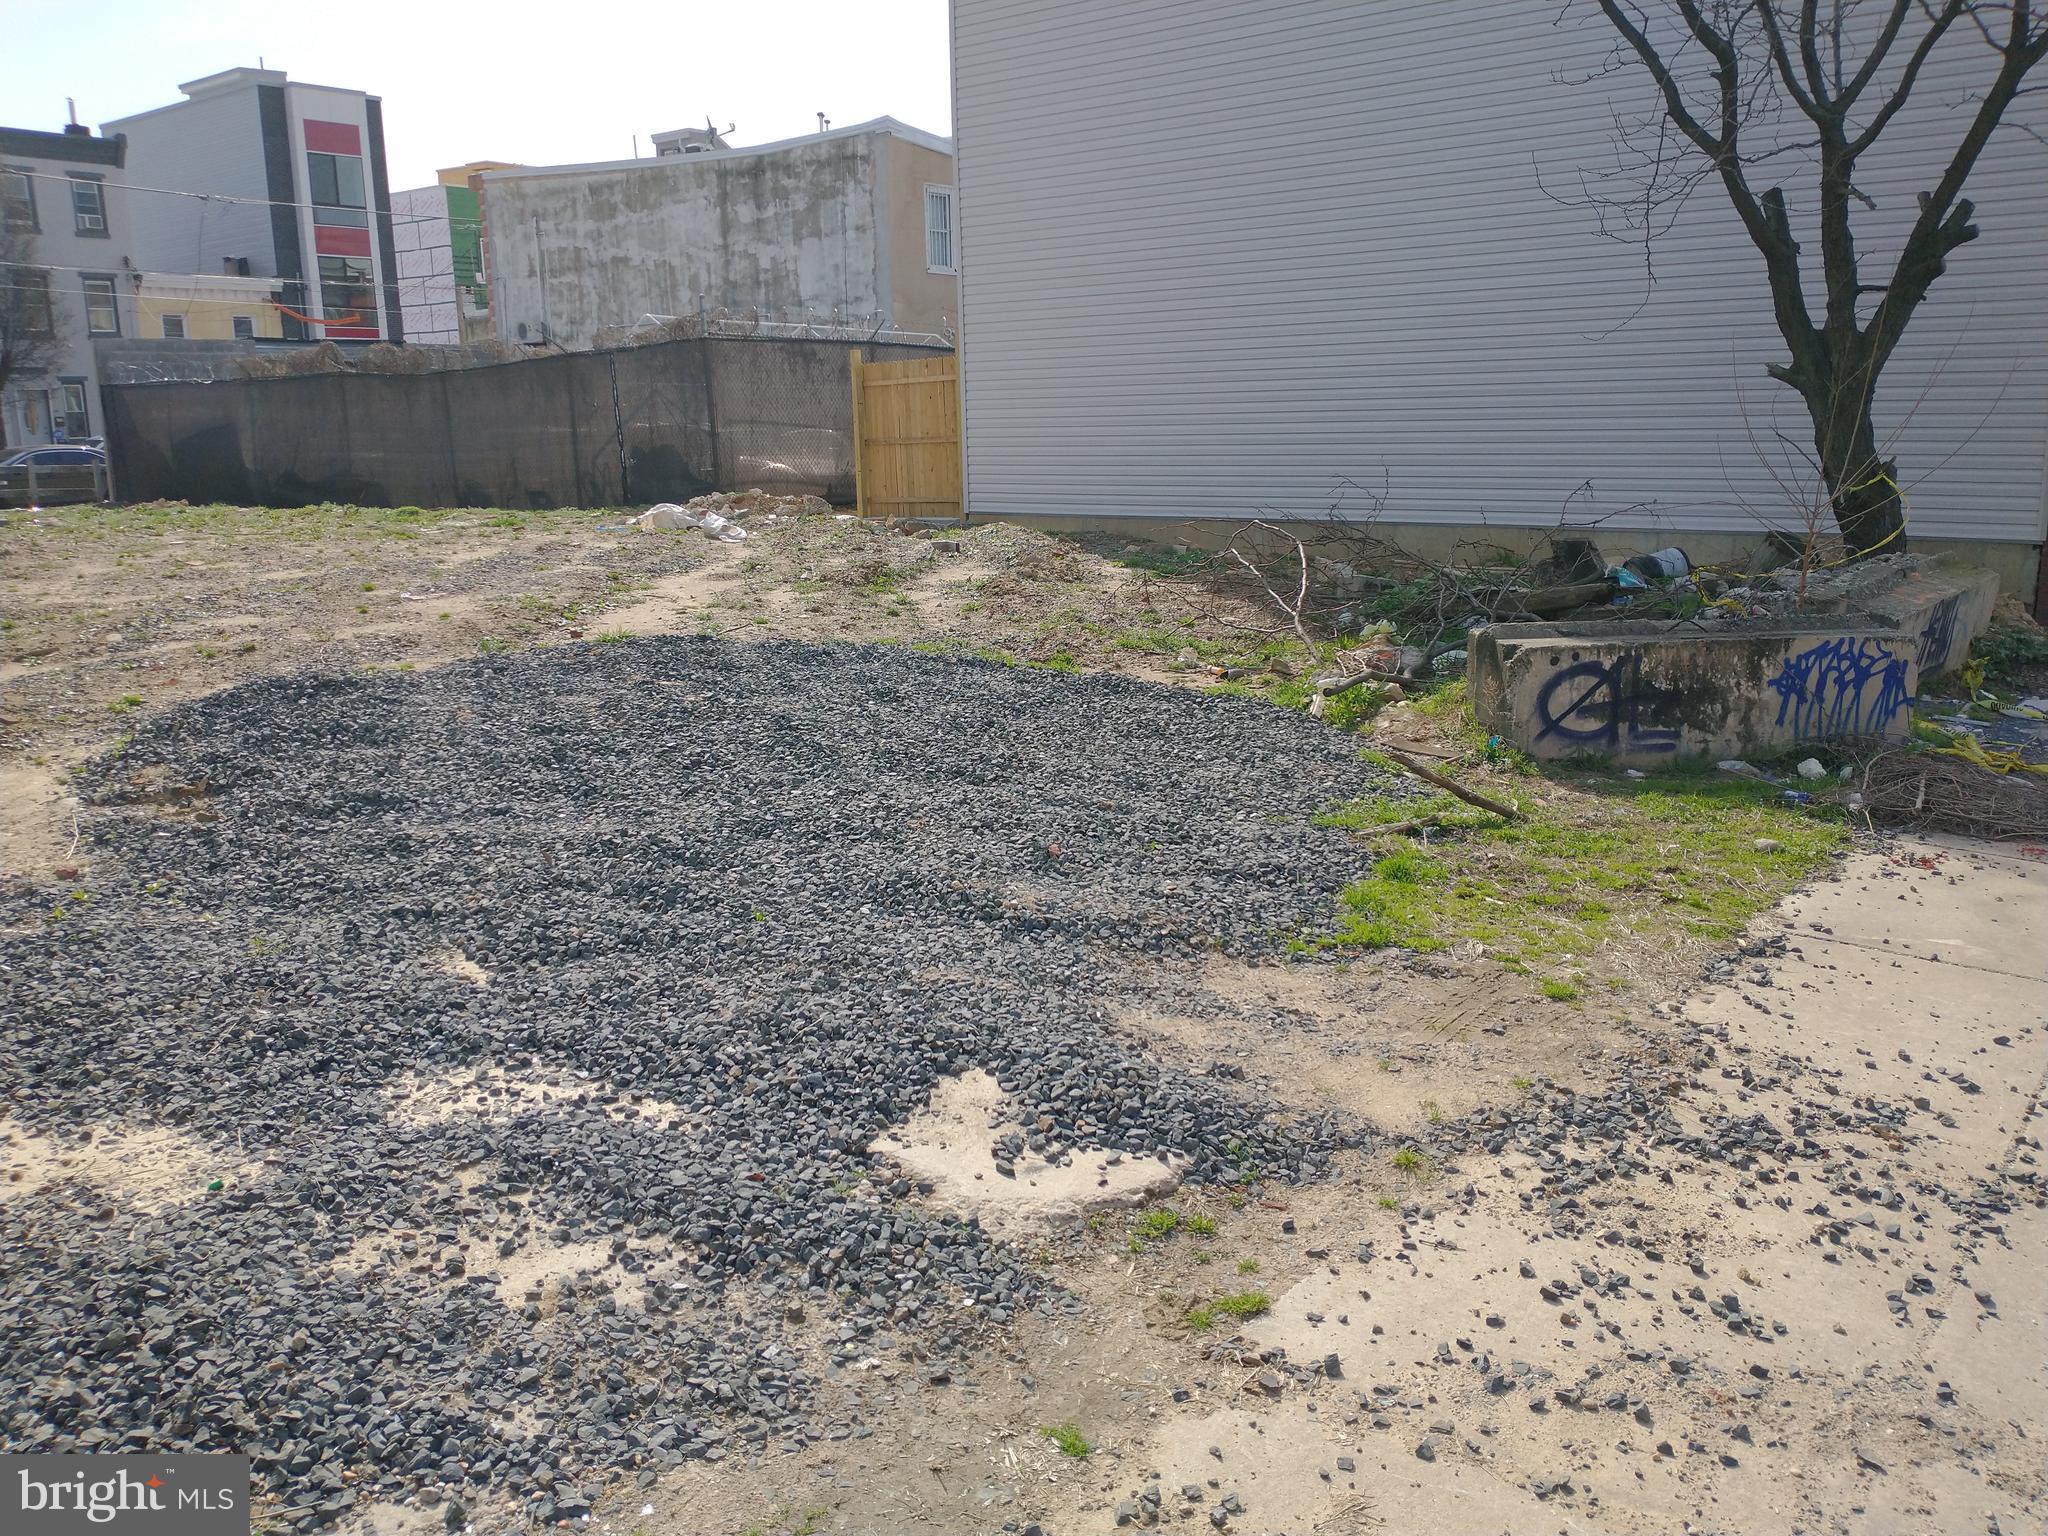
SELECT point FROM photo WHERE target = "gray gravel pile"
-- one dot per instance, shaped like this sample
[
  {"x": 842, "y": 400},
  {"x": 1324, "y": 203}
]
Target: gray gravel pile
[{"x": 740, "y": 908}]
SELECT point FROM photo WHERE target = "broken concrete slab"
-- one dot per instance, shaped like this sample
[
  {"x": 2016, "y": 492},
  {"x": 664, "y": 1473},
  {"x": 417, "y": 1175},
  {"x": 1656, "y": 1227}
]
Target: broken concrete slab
[
  {"x": 1646, "y": 693},
  {"x": 1944, "y": 605}
]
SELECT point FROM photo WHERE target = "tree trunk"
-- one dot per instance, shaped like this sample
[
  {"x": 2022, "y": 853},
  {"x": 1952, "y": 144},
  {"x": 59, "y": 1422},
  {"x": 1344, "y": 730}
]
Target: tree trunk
[{"x": 1862, "y": 488}]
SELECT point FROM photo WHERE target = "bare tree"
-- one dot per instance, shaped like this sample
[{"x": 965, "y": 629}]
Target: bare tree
[
  {"x": 1730, "y": 75},
  {"x": 31, "y": 332}
]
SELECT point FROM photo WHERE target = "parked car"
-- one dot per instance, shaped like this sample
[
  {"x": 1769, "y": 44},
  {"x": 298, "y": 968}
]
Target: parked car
[{"x": 53, "y": 473}]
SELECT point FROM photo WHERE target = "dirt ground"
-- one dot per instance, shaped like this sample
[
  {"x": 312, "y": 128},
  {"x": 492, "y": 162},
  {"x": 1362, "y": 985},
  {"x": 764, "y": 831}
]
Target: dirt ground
[
  {"x": 114, "y": 612},
  {"x": 1879, "y": 1376}
]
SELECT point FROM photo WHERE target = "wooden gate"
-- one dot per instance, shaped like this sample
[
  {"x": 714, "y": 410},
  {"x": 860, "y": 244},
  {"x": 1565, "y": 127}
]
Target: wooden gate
[{"x": 906, "y": 437}]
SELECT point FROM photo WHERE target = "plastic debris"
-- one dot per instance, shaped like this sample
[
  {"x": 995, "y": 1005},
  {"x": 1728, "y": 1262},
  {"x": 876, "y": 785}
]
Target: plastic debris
[
  {"x": 667, "y": 517},
  {"x": 1737, "y": 766},
  {"x": 1810, "y": 768}
]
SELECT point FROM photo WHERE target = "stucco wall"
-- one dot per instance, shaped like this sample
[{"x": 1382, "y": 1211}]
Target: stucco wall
[
  {"x": 919, "y": 298},
  {"x": 208, "y": 315},
  {"x": 789, "y": 230}
]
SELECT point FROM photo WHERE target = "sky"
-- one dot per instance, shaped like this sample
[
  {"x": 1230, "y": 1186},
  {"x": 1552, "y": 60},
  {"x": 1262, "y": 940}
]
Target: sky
[{"x": 469, "y": 82}]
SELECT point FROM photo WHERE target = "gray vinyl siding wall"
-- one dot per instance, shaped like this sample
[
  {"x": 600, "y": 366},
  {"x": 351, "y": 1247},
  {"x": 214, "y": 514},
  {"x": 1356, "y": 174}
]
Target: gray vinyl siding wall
[
  {"x": 1219, "y": 257},
  {"x": 211, "y": 144}
]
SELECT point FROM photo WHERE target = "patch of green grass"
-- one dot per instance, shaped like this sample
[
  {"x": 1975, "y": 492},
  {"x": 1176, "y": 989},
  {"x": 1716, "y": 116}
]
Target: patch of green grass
[
  {"x": 1160, "y": 1222},
  {"x": 1198, "y": 1226},
  {"x": 1247, "y": 1266},
  {"x": 1410, "y": 1161},
  {"x": 125, "y": 703},
  {"x": 1069, "y": 1440},
  {"x": 1195, "y": 1319},
  {"x": 1243, "y": 1305},
  {"x": 491, "y": 645},
  {"x": 1203, "y": 1256},
  {"x": 1389, "y": 1203},
  {"x": 1674, "y": 854},
  {"x": 2008, "y": 652},
  {"x": 610, "y": 637},
  {"x": 1166, "y": 562},
  {"x": 1522, "y": 1084},
  {"x": 1376, "y": 811},
  {"x": 1562, "y": 991},
  {"x": 788, "y": 1520}
]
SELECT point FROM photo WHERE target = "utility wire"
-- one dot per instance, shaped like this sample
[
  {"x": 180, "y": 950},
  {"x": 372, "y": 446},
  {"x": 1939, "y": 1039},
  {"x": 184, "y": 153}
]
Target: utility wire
[{"x": 258, "y": 202}]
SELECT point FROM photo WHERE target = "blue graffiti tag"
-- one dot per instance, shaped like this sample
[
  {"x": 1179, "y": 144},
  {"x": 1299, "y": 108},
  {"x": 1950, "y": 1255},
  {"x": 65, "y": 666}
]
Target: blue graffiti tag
[
  {"x": 1607, "y": 704},
  {"x": 1821, "y": 691},
  {"x": 1939, "y": 634}
]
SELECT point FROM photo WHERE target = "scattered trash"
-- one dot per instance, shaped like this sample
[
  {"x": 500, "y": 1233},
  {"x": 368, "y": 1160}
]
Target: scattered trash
[
  {"x": 1737, "y": 766},
  {"x": 1810, "y": 768},
  {"x": 1659, "y": 565},
  {"x": 1448, "y": 662},
  {"x": 1796, "y": 797},
  {"x": 1768, "y": 845},
  {"x": 1635, "y": 773},
  {"x": 719, "y": 513}
]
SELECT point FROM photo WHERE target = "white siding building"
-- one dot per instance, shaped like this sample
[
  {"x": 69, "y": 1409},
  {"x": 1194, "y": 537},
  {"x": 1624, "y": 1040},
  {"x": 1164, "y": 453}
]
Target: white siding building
[{"x": 1220, "y": 257}]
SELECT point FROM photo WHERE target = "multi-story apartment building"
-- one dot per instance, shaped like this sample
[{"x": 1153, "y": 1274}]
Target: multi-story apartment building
[
  {"x": 268, "y": 177},
  {"x": 69, "y": 278}
]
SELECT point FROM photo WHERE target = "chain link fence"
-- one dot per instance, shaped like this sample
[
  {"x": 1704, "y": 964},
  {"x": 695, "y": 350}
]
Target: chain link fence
[{"x": 625, "y": 427}]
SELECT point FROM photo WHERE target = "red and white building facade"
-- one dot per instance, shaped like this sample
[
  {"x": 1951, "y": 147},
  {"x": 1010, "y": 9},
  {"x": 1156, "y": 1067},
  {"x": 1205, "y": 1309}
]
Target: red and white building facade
[{"x": 258, "y": 175}]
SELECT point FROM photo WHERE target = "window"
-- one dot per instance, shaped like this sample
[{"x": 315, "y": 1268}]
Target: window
[
  {"x": 102, "y": 318},
  {"x": 938, "y": 229},
  {"x": 17, "y": 198},
  {"x": 174, "y": 327},
  {"x": 347, "y": 293},
  {"x": 76, "y": 423},
  {"x": 36, "y": 316},
  {"x": 89, "y": 206},
  {"x": 337, "y": 183},
  {"x": 245, "y": 327}
]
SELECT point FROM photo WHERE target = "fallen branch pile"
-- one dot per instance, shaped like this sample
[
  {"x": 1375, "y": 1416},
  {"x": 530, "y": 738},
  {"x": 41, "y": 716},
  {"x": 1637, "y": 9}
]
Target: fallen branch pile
[{"x": 1952, "y": 794}]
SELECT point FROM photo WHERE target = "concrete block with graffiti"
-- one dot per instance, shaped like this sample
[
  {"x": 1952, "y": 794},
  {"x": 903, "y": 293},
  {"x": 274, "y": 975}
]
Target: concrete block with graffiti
[
  {"x": 1944, "y": 606},
  {"x": 1648, "y": 693}
]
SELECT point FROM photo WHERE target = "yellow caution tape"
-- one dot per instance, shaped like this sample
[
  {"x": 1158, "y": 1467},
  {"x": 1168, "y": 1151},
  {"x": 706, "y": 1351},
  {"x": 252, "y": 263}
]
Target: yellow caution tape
[{"x": 1971, "y": 750}]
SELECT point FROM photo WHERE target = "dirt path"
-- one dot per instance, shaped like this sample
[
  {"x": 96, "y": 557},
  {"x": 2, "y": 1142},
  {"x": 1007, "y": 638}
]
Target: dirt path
[{"x": 1883, "y": 1367}]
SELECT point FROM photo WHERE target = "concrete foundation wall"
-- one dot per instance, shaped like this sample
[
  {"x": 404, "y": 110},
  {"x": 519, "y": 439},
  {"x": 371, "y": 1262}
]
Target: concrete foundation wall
[
  {"x": 2017, "y": 566},
  {"x": 1943, "y": 609},
  {"x": 1648, "y": 693}
]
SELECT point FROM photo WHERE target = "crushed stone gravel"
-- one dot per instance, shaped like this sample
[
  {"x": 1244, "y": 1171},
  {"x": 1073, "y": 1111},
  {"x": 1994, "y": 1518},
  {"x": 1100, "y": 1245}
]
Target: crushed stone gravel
[{"x": 692, "y": 923}]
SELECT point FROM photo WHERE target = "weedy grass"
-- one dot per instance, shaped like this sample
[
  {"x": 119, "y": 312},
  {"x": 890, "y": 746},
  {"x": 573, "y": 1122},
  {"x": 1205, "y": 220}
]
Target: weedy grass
[
  {"x": 127, "y": 522},
  {"x": 1069, "y": 1439},
  {"x": 1673, "y": 855}
]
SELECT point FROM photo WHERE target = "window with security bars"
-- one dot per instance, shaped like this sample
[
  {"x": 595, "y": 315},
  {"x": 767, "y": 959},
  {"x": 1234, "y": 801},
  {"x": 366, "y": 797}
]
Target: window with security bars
[{"x": 938, "y": 229}]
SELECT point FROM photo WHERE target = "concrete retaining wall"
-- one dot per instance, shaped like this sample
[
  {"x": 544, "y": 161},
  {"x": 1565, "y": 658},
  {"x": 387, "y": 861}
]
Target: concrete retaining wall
[
  {"x": 1944, "y": 608},
  {"x": 1648, "y": 693}
]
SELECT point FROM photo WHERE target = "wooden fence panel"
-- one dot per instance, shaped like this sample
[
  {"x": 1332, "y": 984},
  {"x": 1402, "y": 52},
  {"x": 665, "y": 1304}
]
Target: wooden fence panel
[{"x": 906, "y": 435}]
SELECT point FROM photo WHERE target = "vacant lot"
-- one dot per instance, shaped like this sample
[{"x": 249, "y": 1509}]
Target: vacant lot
[{"x": 556, "y": 1040}]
